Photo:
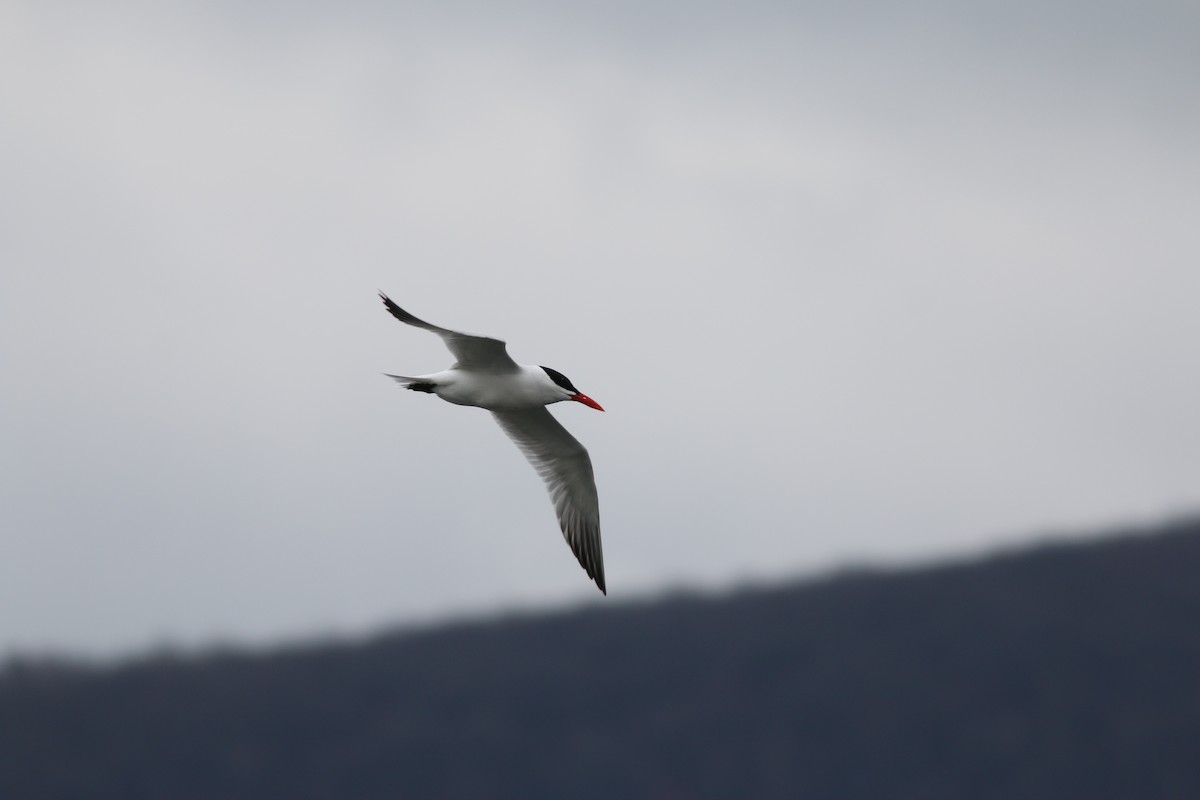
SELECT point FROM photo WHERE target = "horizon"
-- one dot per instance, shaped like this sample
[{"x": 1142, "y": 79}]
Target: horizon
[{"x": 493, "y": 614}]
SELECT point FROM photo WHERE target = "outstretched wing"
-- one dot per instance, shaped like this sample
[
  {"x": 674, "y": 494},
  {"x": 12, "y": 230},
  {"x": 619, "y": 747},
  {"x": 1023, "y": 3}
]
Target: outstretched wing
[
  {"x": 566, "y": 468},
  {"x": 473, "y": 352}
]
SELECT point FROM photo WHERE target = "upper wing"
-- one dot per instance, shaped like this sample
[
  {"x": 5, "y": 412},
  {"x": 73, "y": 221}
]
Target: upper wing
[
  {"x": 474, "y": 352},
  {"x": 566, "y": 468}
]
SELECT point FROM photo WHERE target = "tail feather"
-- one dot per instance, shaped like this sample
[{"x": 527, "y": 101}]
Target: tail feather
[{"x": 415, "y": 384}]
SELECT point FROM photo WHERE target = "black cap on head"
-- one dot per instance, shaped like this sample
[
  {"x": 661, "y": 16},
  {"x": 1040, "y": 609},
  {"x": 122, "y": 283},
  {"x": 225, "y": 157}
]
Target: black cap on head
[{"x": 561, "y": 380}]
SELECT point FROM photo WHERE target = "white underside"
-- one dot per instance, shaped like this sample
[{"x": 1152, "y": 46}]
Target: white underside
[{"x": 528, "y": 387}]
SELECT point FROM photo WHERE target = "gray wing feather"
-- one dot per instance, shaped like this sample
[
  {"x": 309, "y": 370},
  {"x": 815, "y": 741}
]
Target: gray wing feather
[
  {"x": 566, "y": 468},
  {"x": 473, "y": 352}
]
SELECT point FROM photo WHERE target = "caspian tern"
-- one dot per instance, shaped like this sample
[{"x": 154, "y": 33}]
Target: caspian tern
[{"x": 484, "y": 375}]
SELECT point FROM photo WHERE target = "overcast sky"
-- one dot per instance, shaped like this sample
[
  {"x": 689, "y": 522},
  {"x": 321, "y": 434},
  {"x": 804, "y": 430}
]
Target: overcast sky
[{"x": 856, "y": 283}]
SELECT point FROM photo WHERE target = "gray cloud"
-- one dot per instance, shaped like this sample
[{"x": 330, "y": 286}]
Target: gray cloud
[{"x": 851, "y": 285}]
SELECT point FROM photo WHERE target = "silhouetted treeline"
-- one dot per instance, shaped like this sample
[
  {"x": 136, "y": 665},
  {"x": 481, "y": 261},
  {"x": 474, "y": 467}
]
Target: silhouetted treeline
[{"x": 1068, "y": 671}]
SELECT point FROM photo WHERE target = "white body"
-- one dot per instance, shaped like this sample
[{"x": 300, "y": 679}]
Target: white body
[{"x": 528, "y": 387}]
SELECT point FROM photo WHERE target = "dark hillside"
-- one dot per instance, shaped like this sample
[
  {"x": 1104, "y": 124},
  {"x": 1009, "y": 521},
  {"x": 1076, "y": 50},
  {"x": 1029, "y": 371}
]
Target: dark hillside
[{"x": 1061, "y": 672}]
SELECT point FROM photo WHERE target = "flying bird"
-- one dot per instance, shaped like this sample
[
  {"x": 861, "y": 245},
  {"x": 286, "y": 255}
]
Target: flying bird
[{"x": 484, "y": 375}]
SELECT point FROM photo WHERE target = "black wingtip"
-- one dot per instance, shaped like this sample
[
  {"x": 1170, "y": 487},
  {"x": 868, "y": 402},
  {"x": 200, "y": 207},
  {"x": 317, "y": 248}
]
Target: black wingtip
[{"x": 396, "y": 311}]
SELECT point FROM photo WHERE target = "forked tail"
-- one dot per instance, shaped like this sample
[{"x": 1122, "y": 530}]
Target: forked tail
[{"x": 416, "y": 384}]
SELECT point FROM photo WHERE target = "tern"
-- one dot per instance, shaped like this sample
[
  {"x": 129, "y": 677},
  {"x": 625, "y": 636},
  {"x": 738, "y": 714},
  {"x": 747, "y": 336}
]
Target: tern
[{"x": 484, "y": 375}]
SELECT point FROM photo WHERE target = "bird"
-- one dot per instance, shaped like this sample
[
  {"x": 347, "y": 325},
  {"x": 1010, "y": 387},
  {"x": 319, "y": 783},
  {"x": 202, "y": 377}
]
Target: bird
[{"x": 484, "y": 375}]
